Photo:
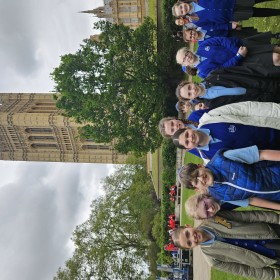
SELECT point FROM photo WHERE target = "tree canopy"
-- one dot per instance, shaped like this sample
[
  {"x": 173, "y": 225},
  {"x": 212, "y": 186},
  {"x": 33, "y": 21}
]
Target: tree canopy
[
  {"x": 113, "y": 242},
  {"x": 117, "y": 85}
]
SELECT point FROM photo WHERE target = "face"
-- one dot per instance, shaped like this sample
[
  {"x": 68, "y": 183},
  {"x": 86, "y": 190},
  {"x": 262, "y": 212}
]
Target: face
[
  {"x": 190, "y": 91},
  {"x": 186, "y": 58},
  {"x": 179, "y": 21},
  {"x": 207, "y": 207},
  {"x": 200, "y": 106},
  {"x": 189, "y": 138},
  {"x": 182, "y": 9},
  {"x": 185, "y": 107},
  {"x": 191, "y": 237},
  {"x": 172, "y": 126},
  {"x": 202, "y": 179},
  {"x": 191, "y": 35}
]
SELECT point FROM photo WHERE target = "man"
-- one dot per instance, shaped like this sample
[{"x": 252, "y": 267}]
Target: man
[
  {"x": 242, "y": 243},
  {"x": 223, "y": 52},
  {"x": 232, "y": 126}
]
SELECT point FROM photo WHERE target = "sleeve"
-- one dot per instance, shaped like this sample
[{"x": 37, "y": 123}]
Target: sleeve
[
  {"x": 205, "y": 67},
  {"x": 231, "y": 43},
  {"x": 259, "y": 216},
  {"x": 247, "y": 155},
  {"x": 217, "y": 91},
  {"x": 196, "y": 115},
  {"x": 265, "y": 273},
  {"x": 216, "y": 26},
  {"x": 237, "y": 203}
]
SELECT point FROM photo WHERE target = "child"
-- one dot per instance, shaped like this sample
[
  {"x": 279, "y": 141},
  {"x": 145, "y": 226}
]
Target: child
[
  {"x": 189, "y": 91},
  {"x": 204, "y": 206},
  {"x": 183, "y": 106},
  {"x": 236, "y": 175}
]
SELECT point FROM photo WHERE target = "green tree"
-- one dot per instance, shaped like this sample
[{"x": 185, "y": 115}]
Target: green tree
[
  {"x": 114, "y": 241},
  {"x": 117, "y": 86}
]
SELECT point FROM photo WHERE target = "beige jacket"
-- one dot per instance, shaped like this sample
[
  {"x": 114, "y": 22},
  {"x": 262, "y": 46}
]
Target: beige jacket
[
  {"x": 241, "y": 225},
  {"x": 263, "y": 114}
]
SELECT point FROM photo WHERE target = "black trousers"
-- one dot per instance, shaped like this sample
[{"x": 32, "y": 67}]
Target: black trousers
[{"x": 265, "y": 12}]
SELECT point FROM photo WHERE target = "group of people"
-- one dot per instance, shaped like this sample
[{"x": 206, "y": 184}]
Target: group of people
[{"x": 235, "y": 129}]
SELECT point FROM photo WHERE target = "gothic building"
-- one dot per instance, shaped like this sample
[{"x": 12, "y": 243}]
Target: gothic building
[
  {"x": 129, "y": 12},
  {"x": 33, "y": 129}
]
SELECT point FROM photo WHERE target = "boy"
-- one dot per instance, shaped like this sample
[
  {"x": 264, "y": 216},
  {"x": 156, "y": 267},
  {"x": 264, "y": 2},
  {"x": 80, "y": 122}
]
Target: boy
[{"x": 236, "y": 175}]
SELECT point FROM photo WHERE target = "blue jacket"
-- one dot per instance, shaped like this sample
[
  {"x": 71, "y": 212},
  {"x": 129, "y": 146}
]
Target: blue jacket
[
  {"x": 221, "y": 52},
  {"x": 217, "y": 14},
  {"x": 234, "y": 136},
  {"x": 263, "y": 176}
]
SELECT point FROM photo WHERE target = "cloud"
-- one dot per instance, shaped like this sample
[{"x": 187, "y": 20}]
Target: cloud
[
  {"x": 33, "y": 36},
  {"x": 38, "y": 214}
]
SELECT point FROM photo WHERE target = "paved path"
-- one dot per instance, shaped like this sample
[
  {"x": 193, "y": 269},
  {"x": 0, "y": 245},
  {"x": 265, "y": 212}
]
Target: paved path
[{"x": 201, "y": 269}]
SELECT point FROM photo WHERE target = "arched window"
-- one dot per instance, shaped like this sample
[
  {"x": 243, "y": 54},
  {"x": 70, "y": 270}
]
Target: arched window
[
  {"x": 95, "y": 147},
  {"x": 47, "y": 138},
  {"x": 44, "y": 146},
  {"x": 39, "y": 130}
]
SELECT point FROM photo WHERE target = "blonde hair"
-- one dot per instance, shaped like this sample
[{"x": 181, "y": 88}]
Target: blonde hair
[
  {"x": 191, "y": 204},
  {"x": 180, "y": 53}
]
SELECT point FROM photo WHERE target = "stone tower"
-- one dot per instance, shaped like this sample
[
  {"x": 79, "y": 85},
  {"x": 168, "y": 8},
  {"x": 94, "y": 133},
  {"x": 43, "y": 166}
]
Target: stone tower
[
  {"x": 128, "y": 12},
  {"x": 33, "y": 129}
]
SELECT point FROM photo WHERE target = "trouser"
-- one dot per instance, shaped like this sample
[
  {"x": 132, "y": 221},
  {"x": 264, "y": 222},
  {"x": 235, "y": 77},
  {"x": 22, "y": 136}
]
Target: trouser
[{"x": 265, "y": 12}]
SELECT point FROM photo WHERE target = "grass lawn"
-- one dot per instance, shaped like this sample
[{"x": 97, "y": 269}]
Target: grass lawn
[
  {"x": 155, "y": 170},
  {"x": 265, "y": 24}
]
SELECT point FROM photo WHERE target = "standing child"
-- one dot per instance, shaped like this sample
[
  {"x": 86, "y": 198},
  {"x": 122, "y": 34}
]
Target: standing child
[{"x": 236, "y": 175}]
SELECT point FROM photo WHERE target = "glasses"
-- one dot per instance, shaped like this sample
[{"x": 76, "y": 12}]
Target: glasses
[
  {"x": 192, "y": 34},
  {"x": 187, "y": 53}
]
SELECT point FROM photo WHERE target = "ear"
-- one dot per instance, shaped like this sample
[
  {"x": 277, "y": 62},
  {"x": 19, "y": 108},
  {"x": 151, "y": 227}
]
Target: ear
[{"x": 188, "y": 226}]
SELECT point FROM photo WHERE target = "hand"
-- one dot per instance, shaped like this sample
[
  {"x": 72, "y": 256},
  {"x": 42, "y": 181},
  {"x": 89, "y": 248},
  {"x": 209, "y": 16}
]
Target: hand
[
  {"x": 234, "y": 24},
  {"x": 243, "y": 51}
]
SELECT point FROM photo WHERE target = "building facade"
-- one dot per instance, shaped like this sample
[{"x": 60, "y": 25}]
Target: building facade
[
  {"x": 128, "y": 12},
  {"x": 33, "y": 129}
]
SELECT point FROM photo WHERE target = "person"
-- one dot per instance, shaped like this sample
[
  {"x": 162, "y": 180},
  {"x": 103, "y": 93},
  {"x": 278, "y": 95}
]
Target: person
[
  {"x": 242, "y": 243},
  {"x": 231, "y": 126},
  {"x": 183, "y": 106},
  {"x": 240, "y": 76},
  {"x": 221, "y": 95},
  {"x": 200, "y": 106},
  {"x": 188, "y": 91},
  {"x": 192, "y": 34},
  {"x": 236, "y": 175},
  {"x": 168, "y": 125},
  {"x": 223, "y": 52},
  {"x": 216, "y": 14},
  {"x": 184, "y": 21},
  {"x": 204, "y": 206}
]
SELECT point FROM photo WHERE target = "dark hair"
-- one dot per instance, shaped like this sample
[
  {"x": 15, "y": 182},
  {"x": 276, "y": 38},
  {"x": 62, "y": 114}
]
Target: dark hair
[
  {"x": 187, "y": 173},
  {"x": 178, "y": 36},
  {"x": 175, "y": 138},
  {"x": 196, "y": 103},
  {"x": 192, "y": 71},
  {"x": 176, "y": 235},
  {"x": 178, "y": 89}
]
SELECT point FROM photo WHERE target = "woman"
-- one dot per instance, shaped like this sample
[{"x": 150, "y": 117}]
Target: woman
[{"x": 217, "y": 14}]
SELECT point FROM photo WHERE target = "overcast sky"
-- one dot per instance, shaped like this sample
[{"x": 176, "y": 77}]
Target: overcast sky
[{"x": 41, "y": 203}]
